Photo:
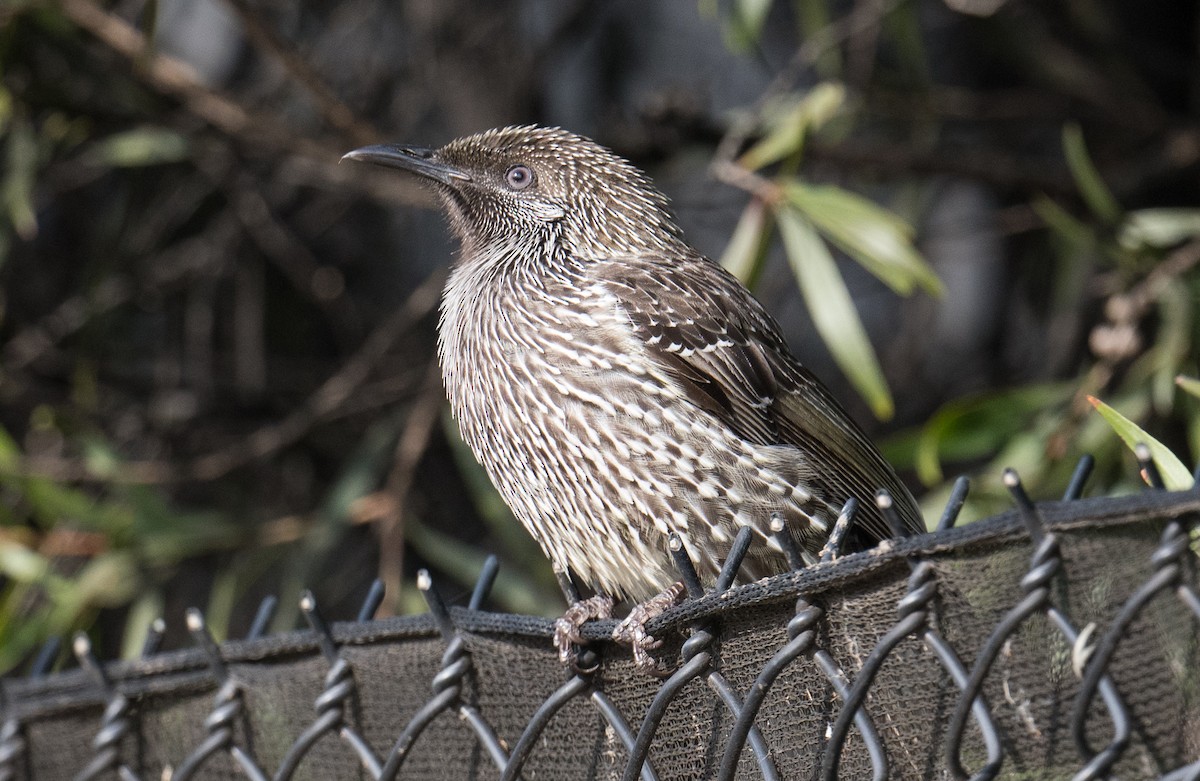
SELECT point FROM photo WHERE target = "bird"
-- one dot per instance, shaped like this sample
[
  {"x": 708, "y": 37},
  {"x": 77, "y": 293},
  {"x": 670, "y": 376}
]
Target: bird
[{"x": 618, "y": 386}]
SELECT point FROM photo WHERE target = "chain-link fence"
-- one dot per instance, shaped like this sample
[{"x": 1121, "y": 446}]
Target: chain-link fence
[{"x": 1055, "y": 641}]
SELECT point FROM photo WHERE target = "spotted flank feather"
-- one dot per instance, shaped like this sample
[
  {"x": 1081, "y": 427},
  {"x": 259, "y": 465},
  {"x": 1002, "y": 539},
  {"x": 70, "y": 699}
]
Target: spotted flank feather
[{"x": 730, "y": 360}]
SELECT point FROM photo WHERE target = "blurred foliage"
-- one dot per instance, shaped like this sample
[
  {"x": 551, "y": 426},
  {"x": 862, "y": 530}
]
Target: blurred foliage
[
  {"x": 1139, "y": 265},
  {"x": 1175, "y": 475},
  {"x": 1150, "y": 279},
  {"x": 1150, "y": 282},
  {"x": 807, "y": 216},
  {"x": 215, "y": 383}
]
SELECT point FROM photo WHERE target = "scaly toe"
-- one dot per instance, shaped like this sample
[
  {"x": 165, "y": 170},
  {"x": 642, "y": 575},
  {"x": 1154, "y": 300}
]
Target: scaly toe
[
  {"x": 566, "y": 629},
  {"x": 566, "y": 635},
  {"x": 632, "y": 631}
]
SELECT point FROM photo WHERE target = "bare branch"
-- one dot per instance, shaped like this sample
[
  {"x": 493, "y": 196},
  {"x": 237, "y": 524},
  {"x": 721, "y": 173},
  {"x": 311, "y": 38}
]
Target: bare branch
[
  {"x": 336, "y": 112},
  {"x": 422, "y": 418},
  {"x": 322, "y": 404}
]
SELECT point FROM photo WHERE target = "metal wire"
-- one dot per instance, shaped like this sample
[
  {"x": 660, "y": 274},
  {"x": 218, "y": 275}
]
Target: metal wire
[
  {"x": 115, "y": 725},
  {"x": 447, "y": 684},
  {"x": 339, "y": 694},
  {"x": 1044, "y": 565},
  {"x": 1083, "y": 470},
  {"x": 227, "y": 710},
  {"x": 1170, "y": 575},
  {"x": 266, "y": 611},
  {"x": 913, "y": 611},
  {"x": 697, "y": 657},
  {"x": 1168, "y": 571},
  {"x": 954, "y": 505}
]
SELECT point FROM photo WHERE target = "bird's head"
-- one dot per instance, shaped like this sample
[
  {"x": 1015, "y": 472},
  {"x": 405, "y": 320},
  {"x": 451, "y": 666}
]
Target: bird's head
[{"x": 530, "y": 184}]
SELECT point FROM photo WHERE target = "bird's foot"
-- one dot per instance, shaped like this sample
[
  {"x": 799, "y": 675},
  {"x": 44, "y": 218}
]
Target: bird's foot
[
  {"x": 566, "y": 628},
  {"x": 632, "y": 631}
]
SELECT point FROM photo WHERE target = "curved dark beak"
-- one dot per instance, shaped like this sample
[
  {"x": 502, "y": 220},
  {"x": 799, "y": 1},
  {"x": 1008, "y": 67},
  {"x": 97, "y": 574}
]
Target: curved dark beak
[{"x": 415, "y": 159}]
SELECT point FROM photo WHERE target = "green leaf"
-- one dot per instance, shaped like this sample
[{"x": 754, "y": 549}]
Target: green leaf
[
  {"x": 876, "y": 238},
  {"x": 906, "y": 28},
  {"x": 1073, "y": 232},
  {"x": 10, "y": 455},
  {"x": 832, "y": 309},
  {"x": 144, "y": 610},
  {"x": 223, "y": 596},
  {"x": 789, "y": 121},
  {"x": 51, "y": 503},
  {"x": 746, "y": 23},
  {"x": 816, "y": 25},
  {"x": 6, "y": 108},
  {"x": 1175, "y": 475},
  {"x": 108, "y": 580},
  {"x": 515, "y": 589},
  {"x": 1172, "y": 344},
  {"x": 1095, "y": 193},
  {"x": 164, "y": 540},
  {"x": 16, "y": 189},
  {"x": 139, "y": 147},
  {"x": 978, "y": 426},
  {"x": 101, "y": 459},
  {"x": 1189, "y": 384},
  {"x": 747, "y": 248},
  {"x": 1161, "y": 228},
  {"x": 22, "y": 564}
]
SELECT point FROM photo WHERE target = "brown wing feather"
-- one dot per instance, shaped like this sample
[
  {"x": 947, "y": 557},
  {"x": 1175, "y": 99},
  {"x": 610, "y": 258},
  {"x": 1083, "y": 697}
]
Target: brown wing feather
[{"x": 729, "y": 356}]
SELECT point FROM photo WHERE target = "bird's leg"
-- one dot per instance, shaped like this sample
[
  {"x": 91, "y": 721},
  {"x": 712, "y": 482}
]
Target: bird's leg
[
  {"x": 632, "y": 631},
  {"x": 566, "y": 628}
]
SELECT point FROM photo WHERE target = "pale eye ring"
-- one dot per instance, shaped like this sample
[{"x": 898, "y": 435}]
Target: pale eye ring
[{"x": 518, "y": 177}]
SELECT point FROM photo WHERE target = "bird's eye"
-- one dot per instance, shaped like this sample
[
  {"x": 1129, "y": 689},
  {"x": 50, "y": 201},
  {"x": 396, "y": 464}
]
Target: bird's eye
[{"x": 518, "y": 177}]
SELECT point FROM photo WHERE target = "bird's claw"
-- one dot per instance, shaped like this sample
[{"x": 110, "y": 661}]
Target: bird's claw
[
  {"x": 566, "y": 628},
  {"x": 632, "y": 630}
]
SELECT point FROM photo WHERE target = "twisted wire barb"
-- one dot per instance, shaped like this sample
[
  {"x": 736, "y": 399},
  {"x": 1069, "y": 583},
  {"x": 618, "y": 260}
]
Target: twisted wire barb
[
  {"x": 584, "y": 680},
  {"x": 1172, "y": 571},
  {"x": 697, "y": 656},
  {"x": 115, "y": 724},
  {"x": 914, "y": 621},
  {"x": 802, "y": 636},
  {"x": 228, "y": 707},
  {"x": 913, "y": 612},
  {"x": 1044, "y": 565},
  {"x": 339, "y": 693},
  {"x": 448, "y": 683}
]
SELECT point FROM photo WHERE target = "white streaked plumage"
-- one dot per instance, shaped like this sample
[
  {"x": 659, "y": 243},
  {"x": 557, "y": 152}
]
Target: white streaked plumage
[{"x": 616, "y": 385}]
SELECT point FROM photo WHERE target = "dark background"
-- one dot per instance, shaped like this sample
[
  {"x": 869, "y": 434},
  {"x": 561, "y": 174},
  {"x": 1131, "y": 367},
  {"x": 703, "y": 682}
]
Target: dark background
[{"x": 216, "y": 344}]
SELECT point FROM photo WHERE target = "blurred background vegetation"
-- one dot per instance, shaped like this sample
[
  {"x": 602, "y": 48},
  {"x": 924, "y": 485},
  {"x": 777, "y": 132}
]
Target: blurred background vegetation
[{"x": 217, "y": 375}]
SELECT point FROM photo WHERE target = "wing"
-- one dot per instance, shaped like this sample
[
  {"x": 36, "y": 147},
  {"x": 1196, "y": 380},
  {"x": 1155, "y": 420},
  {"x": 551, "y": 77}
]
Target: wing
[{"x": 727, "y": 353}]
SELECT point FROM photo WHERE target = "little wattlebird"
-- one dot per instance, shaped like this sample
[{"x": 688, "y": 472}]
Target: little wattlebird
[{"x": 618, "y": 386}]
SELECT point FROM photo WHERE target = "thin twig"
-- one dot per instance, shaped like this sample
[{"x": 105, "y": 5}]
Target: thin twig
[
  {"x": 1048, "y": 177},
  {"x": 306, "y": 160},
  {"x": 323, "y": 403},
  {"x": 285, "y": 250},
  {"x": 1175, "y": 265},
  {"x": 168, "y": 74},
  {"x": 864, "y": 17},
  {"x": 171, "y": 269},
  {"x": 335, "y": 111},
  {"x": 1124, "y": 310},
  {"x": 414, "y": 440}
]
